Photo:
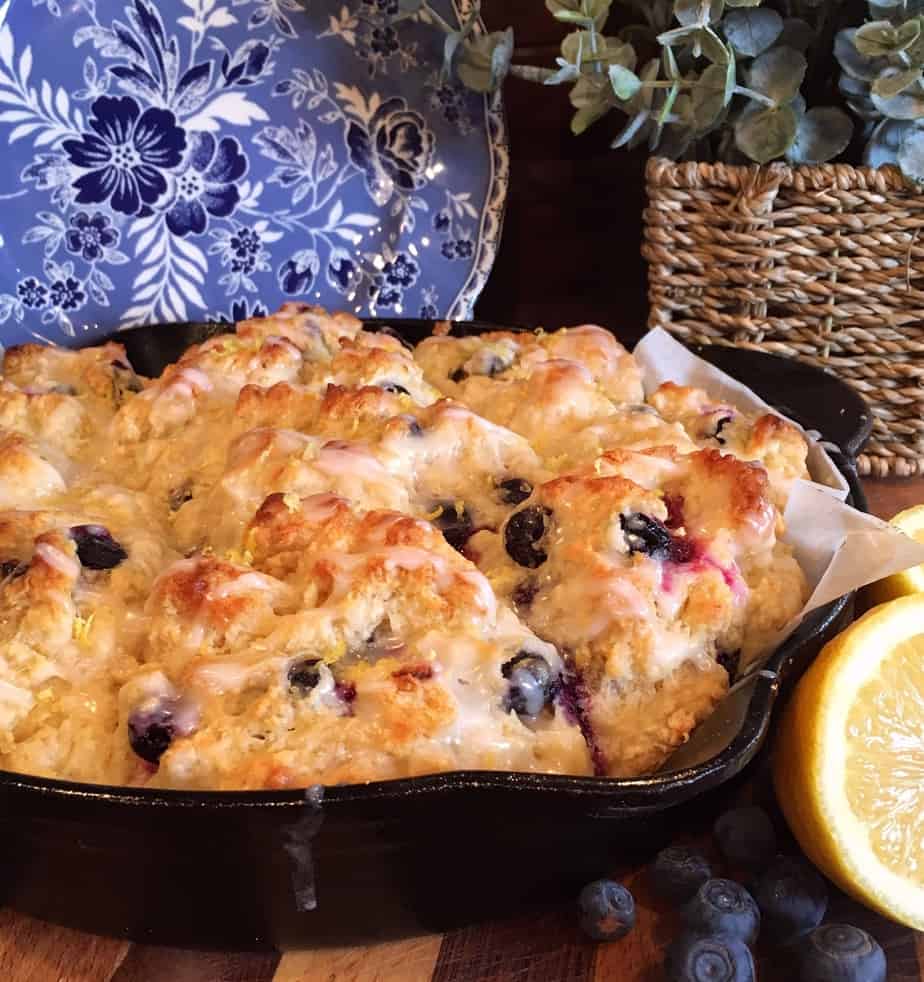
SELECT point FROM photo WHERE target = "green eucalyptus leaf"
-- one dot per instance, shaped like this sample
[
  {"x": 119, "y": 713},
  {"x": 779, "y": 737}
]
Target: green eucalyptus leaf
[
  {"x": 573, "y": 17},
  {"x": 877, "y": 39},
  {"x": 566, "y": 73},
  {"x": 766, "y": 134},
  {"x": 674, "y": 141},
  {"x": 574, "y": 44},
  {"x": 892, "y": 82},
  {"x": 678, "y": 35},
  {"x": 797, "y": 33},
  {"x": 590, "y": 90},
  {"x": 906, "y": 105},
  {"x": 911, "y": 155},
  {"x": 885, "y": 142},
  {"x": 751, "y": 32},
  {"x": 709, "y": 97},
  {"x": 645, "y": 95},
  {"x": 712, "y": 46},
  {"x": 778, "y": 73},
  {"x": 798, "y": 104},
  {"x": 698, "y": 12},
  {"x": 586, "y": 116},
  {"x": 483, "y": 62},
  {"x": 908, "y": 34},
  {"x": 822, "y": 134},
  {"x": 625, "y": 83},
  {"x": 742, "y": 3},
  {"x": 633, "y": 128},
  {"x": 852, "y": 62}
]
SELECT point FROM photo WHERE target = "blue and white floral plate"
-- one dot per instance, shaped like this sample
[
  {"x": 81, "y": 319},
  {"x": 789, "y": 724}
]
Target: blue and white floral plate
[{"x": 209, "y": 159}]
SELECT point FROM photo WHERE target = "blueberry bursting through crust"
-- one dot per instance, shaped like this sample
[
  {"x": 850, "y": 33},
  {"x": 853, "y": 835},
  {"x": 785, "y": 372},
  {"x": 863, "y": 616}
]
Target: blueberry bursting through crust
[
  {"x": 524, "y": 531},
  {"x": 531, "y": 683},
  {"x": 96, "y": 548}
]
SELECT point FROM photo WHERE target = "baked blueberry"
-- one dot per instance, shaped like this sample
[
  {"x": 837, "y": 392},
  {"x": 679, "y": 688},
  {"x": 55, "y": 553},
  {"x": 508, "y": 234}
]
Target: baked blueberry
[
  {"x": 514, "y": 490},
  {"x": 701, "y": 958},
  {"x": 792, "y": 899},
  {"x": 674, "y": 504},
  {"x": 96, "y": 548},
  {"x": 678, "y": 872},
  {"x": 12, "y": 569},
  {"x": 524, "y": 593},
  {"x": 607, "y": 910},
  {"x": 150, "y": 731},
  {"x": 413, "y": 427},
  {"x": 839, "y": 953},
  {"x": 531, "y": 683},
  {"x": 304, "y": 675},
  {"x": 719, "y": 426},
  {"x": 179, "y": 496},
  {"x": 455, "y": 522},
  {"x": 730, "y": 660},
  {"x": 395, "y": 388},
  {"x": 524, "y": 531},
  {"x": 746, "y": 837},
  {"x": 459, "y": 375},
  {"x": 646, "y": 535},
  {"x": 723, "y": 908}
]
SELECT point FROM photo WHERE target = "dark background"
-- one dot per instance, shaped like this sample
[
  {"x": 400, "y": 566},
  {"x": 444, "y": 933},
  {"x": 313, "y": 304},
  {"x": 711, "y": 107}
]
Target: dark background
[{"x": 573, "y": 226}]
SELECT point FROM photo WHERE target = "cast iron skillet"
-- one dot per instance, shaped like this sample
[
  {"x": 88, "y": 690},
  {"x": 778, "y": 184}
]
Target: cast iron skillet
[{"x": 279, "y": 869}]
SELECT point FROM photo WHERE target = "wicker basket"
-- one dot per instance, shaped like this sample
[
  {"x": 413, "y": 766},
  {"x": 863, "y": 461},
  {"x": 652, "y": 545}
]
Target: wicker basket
[{"x": 824, "y": 264}]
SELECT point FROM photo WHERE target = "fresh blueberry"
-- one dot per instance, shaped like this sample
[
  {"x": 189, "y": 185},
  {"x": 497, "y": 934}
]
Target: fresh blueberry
[
  {"x": 151, "y": 731},
  {"x": 514, "y": 490},
  {"x": 531, "y": 683},
  {"x": 730, "y": 660},
  {"x": 678, "y": 872},
  {"x": 840, "y": 953},
  {"x": 724, "y": 908},
  {"x": 700, "y": 958},
  {"x": 455, "y": 523},
  {"x": 96, "y": 548},
  {"x": 304, "y": 675},
  {"x": 459, "y": 375},
  {"x": 792, "y": 899},
  {"x": 179, "y": 496},
  {"x": 524, "y": 593},
  {"x": 646, "y": 535},
  {"x": 745, "y": 837},
  {"x": 607, "y": 910},
  {"x": 12, "y": 569},
  {"x": 399, "y": 390},
  {"x": 719, "y": 426},
  {"x": 524, "y": 530}
]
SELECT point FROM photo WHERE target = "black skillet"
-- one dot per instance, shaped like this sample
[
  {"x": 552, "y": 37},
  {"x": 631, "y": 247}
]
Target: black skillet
[{"x": 279, "y": 869}]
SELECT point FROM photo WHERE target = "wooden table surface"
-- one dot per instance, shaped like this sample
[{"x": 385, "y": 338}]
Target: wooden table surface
[{"x": 569, "y": 254}]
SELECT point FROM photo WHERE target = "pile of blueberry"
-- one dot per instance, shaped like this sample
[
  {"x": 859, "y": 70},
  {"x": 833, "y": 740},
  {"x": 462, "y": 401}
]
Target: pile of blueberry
[{"x": 722, "y": 920}]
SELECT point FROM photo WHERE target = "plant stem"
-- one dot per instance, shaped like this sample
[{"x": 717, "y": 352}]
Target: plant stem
[
  {"x": 756, "y": 96},
  {"x": 438, "y": 19},
  {"x": 532, "y": 73}
]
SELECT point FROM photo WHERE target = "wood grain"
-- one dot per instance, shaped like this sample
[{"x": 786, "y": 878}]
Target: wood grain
[{"x": 400, "y": 961}]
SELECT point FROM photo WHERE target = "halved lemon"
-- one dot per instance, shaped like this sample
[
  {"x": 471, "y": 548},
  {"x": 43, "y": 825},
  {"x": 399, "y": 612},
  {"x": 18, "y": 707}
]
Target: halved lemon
[
  {"x": 911, "y": 522},
  {"x": 849, "y": 760}
]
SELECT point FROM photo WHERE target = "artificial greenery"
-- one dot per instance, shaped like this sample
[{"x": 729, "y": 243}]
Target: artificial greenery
[
  {"x": 882, "y": 64},
  {"x": 710, "y": 79}
]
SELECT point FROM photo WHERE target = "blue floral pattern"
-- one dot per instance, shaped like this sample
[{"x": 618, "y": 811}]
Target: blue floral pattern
[{"x": 196, "y": 159}]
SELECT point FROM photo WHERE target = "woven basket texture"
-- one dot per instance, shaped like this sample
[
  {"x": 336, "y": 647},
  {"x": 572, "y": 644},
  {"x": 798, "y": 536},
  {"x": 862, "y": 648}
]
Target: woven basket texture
[{"x": 823, "y": 263}]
